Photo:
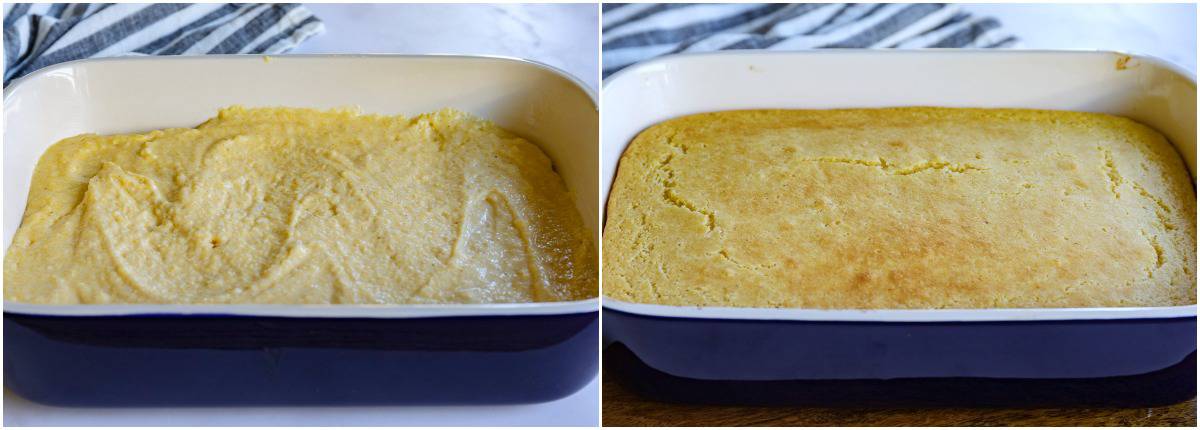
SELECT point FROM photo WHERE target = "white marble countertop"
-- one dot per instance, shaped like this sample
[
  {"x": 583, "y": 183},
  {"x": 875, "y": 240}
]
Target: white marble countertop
[
  {"x": 565, "y": 36},
  {"x": 1167, "y": 31}
]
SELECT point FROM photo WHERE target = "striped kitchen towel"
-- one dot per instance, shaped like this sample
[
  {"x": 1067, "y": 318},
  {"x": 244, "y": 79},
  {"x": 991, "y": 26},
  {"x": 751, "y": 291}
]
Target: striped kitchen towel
[
  {"x": 638, "y": 32},
  {"x": 38, "y": 35}
]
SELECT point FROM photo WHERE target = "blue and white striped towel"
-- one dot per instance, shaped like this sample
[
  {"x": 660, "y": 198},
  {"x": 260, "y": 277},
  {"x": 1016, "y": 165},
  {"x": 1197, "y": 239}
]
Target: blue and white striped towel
[
  {"x": 638, "y": 32},
  {"x": 38, "y": 35}
]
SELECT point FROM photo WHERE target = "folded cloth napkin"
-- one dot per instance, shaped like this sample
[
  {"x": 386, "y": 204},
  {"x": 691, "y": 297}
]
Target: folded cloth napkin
[
  {"x": 38, "y": 35},
  {"x": 638, "y": 32}
]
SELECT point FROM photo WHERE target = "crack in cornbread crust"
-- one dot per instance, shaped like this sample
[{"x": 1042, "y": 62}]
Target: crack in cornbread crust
[
  {"x": 299, "y": 206},
  {"x": 918, "y": 208}
]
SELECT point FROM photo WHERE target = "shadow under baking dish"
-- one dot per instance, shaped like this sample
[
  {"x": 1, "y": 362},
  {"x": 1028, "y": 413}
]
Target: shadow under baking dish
[{"x": 211, "y": 360}]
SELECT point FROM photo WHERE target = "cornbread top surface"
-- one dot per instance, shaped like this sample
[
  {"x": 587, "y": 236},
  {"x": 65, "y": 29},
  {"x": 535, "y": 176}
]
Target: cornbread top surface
[
  {"x": 904, "y": 208},
  {"x": 298, "y": 206}
]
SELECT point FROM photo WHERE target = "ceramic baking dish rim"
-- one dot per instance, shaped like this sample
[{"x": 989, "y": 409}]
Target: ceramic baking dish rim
[
  {"x": 312, "y": 311},
  {"x": 890, "y": 51},
  {"x": 899, "y": 315},
  {"x": 308, "y": 311},
  {"x": 16, "y": 84},
  {"x": 893, "y": 315}
]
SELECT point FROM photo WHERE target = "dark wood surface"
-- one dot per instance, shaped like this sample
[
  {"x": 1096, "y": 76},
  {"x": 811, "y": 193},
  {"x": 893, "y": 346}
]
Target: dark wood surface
[{"x": 624, "y": 408}]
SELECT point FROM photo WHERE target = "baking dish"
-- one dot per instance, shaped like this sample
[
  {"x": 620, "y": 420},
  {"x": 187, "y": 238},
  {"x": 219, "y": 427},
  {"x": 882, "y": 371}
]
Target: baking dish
[
  {"x": 278, "y": 354},
  {"x": 773, "y": 355}
]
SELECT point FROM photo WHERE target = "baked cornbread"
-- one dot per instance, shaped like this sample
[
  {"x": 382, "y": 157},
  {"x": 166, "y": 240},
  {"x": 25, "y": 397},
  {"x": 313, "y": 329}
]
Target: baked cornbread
[
  {"x": 906, "y": 208},
  {"x": 298, "y": 206}
]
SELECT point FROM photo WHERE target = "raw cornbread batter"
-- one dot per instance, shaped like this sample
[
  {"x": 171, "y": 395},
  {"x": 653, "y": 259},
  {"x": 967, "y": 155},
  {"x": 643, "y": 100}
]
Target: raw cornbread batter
[{"x": 299, "y": 206}]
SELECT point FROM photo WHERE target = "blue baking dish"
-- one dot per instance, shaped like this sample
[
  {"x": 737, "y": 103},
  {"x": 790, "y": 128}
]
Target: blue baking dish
[
  {"x": 505, "y": 355},
  {"x": 892, "y": 357},
  {"x": 1110, "y": 357},
  {"x": 207, "y": 355},
  {"x": 1162, "y": 387}
]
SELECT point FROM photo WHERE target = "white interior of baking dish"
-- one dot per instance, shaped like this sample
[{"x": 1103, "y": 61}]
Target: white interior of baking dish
[
  {"x": 124, "y": 95},
  {"x": 1152, "y": 91}
]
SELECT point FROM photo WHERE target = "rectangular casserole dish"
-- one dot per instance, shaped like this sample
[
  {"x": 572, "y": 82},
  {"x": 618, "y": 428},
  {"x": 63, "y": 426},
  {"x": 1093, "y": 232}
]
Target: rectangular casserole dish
[
  {"x": 126, "y": 355},
  {"x": 1108, "y": 356}
]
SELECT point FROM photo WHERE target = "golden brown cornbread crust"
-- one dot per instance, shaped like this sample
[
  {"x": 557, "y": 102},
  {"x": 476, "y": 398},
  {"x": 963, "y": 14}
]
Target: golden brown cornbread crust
[{"x": 915, "y": 208}]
